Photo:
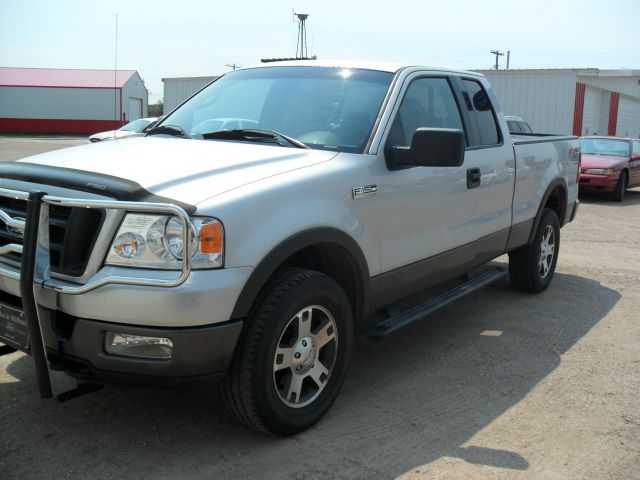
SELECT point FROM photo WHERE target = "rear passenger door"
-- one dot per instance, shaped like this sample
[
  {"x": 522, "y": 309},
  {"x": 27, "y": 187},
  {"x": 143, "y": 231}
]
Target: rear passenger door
[{"x": 432, "y": 210}]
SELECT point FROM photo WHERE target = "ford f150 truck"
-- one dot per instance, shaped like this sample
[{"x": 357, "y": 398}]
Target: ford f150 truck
[{"x": 264, "y": 221}]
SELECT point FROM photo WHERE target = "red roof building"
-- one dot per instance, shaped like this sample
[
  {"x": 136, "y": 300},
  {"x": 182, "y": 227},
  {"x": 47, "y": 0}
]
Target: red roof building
[{"x": 48, "y": 100}]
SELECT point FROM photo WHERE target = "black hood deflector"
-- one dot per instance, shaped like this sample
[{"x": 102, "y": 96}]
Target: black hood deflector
[{"x": 100, "y": 184}]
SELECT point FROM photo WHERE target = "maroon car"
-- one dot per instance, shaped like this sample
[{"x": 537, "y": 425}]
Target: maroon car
[{"x": 609, "y": 164}]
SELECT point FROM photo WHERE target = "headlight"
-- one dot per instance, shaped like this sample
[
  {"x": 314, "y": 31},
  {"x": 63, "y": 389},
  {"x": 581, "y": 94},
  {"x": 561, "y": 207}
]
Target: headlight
[
  {"x": 600, "y": 171},
  {"x": 157, "y": 241}
]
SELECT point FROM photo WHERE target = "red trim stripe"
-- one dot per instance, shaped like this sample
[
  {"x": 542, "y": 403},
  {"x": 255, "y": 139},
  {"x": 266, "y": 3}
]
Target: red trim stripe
[
  {"x": 613, "y": 113},
  {"x": 60, "y": 86},
  {"x": 45, "y": 125},
  {"x": 578, "y": 109}
]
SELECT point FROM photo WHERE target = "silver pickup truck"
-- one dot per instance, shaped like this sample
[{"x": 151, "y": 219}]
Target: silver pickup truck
[{"x": 275, "y": 213}]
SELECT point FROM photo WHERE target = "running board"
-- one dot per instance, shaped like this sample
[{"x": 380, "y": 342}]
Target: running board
[{"x": 418, "y": 312}]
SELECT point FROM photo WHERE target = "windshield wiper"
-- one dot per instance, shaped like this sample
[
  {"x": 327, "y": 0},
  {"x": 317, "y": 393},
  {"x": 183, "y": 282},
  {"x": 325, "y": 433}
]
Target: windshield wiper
[
  {"x": 251, "y": 134},
  {"x": 174, "y": 130}
]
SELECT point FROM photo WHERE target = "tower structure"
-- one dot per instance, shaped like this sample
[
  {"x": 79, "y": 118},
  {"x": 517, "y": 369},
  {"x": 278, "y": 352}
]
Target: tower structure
[{"x": 301, "y": 45}]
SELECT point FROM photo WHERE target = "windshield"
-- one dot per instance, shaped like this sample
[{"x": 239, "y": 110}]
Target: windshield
[
  {"x": 605, "y": 146},
  {"x": 135, "y": 126},
  {"x": 325, "y": 108}
]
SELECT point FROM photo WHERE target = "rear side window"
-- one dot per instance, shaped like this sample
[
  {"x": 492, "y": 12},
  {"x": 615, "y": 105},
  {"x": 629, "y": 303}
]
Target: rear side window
[
  {"x": 478, "y": 101},
  {"x": 636, "y": 148},
  {"x": 428, "y": 103},
  {"x": 524, "y": 126},
  {"x": 513, "y": 126}
]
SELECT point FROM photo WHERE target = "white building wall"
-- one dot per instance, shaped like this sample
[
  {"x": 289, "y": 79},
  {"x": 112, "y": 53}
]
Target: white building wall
[
  {"x": 59, "y": 103},
  {"x": 177, "y": 90},
  {"x": 544, "y": 99},
  {"x": 626, "y": 85},
  {"x": 628, "y": 117},
  {"x": 135, "y": 88}
]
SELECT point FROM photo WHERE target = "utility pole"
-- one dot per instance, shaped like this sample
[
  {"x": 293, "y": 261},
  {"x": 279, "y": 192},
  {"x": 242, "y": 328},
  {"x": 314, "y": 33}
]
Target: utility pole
[
  {"x": 497, "y": 54},
  {"x": 233, "y": 66},
  {"x": 508, "y": 57}
]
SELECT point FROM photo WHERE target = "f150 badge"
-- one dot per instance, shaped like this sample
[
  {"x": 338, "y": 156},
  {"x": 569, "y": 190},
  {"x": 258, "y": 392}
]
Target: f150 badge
[{"x": 363, "y": 192}]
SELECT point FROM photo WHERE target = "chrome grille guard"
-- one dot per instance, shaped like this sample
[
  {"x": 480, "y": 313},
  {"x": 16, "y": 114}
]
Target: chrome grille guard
[
  {"x": 40, "y": 248},
  {"x": 35, "y": 268}
]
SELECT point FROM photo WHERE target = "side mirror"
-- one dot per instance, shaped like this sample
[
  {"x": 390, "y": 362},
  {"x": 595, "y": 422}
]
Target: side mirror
[{"x": 430, "y": 147}]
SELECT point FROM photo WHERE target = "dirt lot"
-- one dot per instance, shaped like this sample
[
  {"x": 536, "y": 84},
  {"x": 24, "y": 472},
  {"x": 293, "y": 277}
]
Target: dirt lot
[
  {"x": 13, "y": 147},
  {"x": 498, "y": 385}
]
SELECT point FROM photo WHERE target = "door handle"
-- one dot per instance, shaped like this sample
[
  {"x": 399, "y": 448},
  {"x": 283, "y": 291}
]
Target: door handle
[{"x": 473, "y": 177}]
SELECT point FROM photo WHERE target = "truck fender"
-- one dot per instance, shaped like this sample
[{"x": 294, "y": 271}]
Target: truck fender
[
  {"x": 557, "y": 182},
  {"x": 307, "y": 238}
]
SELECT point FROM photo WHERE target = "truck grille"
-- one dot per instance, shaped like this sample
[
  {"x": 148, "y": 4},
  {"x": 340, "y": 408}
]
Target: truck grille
[{"x": 72, "y": 234}]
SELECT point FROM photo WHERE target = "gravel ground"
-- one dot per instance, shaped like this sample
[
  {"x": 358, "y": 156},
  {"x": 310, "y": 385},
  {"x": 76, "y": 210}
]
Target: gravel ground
[
  {"x": 497, "y": 385},
  {"x": 14, "y": 147}
]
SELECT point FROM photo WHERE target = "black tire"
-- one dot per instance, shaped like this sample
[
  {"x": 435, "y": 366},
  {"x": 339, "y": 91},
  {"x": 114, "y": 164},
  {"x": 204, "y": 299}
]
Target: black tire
[
  {"x": 618, "y": 194},
  {"x": 526, "y": 269},
  {"x": 253, "y": 391}
]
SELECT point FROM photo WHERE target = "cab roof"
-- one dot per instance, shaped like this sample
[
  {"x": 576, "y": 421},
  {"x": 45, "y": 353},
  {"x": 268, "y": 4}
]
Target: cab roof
[{"x": 357, "y": 64}]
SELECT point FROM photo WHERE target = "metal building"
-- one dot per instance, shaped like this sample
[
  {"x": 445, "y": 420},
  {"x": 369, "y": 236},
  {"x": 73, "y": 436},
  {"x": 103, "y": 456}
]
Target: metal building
[
  {"x": 47, "y": 100},
  {"x": 178, "y": 89},
  {"x": 571, "y": 101}
]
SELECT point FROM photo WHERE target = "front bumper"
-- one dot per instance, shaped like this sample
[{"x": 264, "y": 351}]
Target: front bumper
[
  {"x": 602, "y": 183},
  {"x": 200, "y": 354}
]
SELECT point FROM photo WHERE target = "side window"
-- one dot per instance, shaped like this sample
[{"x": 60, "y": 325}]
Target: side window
[
  {"x": 478, "y": 101},
  {"x": 428, "y": 103},
  {"x": 636, "y": 148},
  {"x": 513, "y": 126},
  {"x": 524, "y": 126}
]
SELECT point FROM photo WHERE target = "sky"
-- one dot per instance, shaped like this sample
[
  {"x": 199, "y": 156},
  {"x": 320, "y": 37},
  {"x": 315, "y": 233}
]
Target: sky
[{"x": 192, "y": 37}]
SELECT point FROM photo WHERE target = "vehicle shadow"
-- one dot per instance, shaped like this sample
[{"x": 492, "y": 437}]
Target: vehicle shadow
[{"x": 417, "y": 396}]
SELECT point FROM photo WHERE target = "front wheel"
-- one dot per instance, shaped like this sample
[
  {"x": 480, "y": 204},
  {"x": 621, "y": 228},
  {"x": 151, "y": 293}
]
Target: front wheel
[
  {"x": 531, "y": 267},
  {"x": 618, "y": 194},
  {"x": 293, "y": 359}
]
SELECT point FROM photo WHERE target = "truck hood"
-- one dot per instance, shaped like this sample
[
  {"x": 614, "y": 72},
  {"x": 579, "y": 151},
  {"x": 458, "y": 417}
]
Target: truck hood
[
  {"x": 602, "y": 161},
  {"x": 189, "y": 171}
]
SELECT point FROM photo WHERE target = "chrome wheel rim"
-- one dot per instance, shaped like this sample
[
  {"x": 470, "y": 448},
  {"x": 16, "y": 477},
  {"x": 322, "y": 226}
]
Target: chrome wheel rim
[
  {"x": 547, "y": 251},
  {"x": 305, "y": 356}
]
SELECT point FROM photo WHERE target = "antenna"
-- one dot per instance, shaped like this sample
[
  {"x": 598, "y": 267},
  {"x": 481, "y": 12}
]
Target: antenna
[{"x": 301, "y": 44}]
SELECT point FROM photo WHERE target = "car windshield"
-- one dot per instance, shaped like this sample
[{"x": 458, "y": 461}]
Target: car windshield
[
  {"x": 325, "y": 108},
  {"x": 605, "y": 146},
  {"x": 135, "y": 126}
]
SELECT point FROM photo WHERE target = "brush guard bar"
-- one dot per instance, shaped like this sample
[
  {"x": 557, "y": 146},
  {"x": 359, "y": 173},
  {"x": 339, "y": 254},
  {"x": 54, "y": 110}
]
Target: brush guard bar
[{"x": 35, "y": 270}]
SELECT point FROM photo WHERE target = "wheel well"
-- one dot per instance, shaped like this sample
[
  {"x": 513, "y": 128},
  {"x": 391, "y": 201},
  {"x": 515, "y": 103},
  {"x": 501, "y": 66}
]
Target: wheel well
[
  {"x": 626, "y": 170},
  {"x": 335, "y": 262},
  {"x": 557, "y": 201}
]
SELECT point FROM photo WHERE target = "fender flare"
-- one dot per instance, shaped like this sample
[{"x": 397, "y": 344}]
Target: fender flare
[
  {"x": 307, "y": 238},
  {"x": 557, "y": 182}
]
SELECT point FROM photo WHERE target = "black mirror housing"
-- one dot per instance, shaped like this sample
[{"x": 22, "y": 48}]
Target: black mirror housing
[{"x": 430, "y": 147}]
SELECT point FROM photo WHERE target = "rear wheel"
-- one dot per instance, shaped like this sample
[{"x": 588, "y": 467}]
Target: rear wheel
[
  {"x": 531, "y": 268},
  {"x": 293, "y": 359},
  {"x": 621, "y": 186}
]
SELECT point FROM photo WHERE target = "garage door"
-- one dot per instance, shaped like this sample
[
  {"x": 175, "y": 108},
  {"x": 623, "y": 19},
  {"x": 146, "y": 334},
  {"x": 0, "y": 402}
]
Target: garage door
[
  {"x": 596, "y": 111},
  {"x": 628, "y": 117},
  {"x": 135, "y": 109}
]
